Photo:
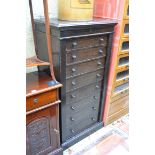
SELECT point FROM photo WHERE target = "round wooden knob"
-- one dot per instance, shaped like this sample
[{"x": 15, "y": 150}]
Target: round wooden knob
[
  {"x": 99, "y": 63},
  {"x": 72, "y": 108},
  {"x": 73, "y": 83},
  {"x": 35, "y": 100},
  {"x": 97, "y": 87},
  {"x": 74, "y": 56},
  {"x": 73, "y": 96},
  {"x": 95, "y": 97},
  {"x": 93, "y": 108},
  {"x": 73, "y": 70},
  {"x": 101, "y": 39},
  {"x": 98, "y": 75},
  {"x": 74, "y": 44},
  {"x": 100, "y": 51},
  {"x": 93, "y": 119},
  {"x": 72, "y": 119},
  {"x": 72, "y": 131}
]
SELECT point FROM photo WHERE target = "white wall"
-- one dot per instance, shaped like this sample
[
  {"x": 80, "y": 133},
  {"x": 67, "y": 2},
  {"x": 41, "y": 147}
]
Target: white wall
[{"x": 38, "y": 12}]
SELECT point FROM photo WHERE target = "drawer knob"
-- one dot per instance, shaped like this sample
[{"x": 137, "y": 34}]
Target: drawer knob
[
  {"x": 74, "y": 44},
  {"x": 73, "y": 83},
  {"x": 100, "y": 51},
  {"x": 73, "y": 70},
  {"x": 72, "y": 108},
  {"x": 74, "y": 56},
  {"x": 93, "y": 108},
  {"x": 73, "y": 96},
  {"x": 95, "y": 97},
  {"x": 35, "y": 100},
  {"x": 97, "y": 87},
  {"x": 72, "y": 119},
  {"x": 98, "y": 75},
  {"x": 72, "y": 130},
  {"x": 101, "y": 39},
  {"x": 93, "y": 119},
  {"x": 56, "y": 131},
  {"x": 99, "y": 63}
]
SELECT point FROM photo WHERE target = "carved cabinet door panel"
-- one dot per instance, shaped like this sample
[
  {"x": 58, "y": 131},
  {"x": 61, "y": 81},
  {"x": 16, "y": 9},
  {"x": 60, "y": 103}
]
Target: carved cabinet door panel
[{"x": 42, "y": 135}]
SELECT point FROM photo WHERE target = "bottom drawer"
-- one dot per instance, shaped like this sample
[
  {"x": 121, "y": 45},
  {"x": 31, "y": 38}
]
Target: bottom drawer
[
  {"x": 84, "y": 124},
  {"x": 117, "y": 115},
  {"x": 118, "y": 105}
]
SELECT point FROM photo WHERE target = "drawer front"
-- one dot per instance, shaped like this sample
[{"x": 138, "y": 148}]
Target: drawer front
[
  {"x": 126, "y": 10},
  {"x": 121, "y": 89},
  {"x": 85, "y": 67},
  {"x": 84, "y": 124},
  {"x": 118, "y": 105},
  {"x": 91, "y": 91},
  {"x": 77, "y": 118},
  {"x": 124, "y": 46},
  {"x": 77, "y": 107},
  {"x": 85, "y": 54},
  {"x": 80, "y": 43},
  {"x": 123, "y": 62},
  {"x": 82, "y": 4},
  {"x": 42, "y": 99},
  {"x": 125, "y": 29},
  {"x": 122, "y": 77},
  {"x": 119, "y": 96},
  {"x": 85, "y": 79}
]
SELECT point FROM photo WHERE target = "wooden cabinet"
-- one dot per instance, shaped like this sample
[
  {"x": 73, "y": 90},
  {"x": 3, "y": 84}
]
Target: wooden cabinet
[
  {"x": 81, "y": 57},
  {"x": 42, "y": 119}
]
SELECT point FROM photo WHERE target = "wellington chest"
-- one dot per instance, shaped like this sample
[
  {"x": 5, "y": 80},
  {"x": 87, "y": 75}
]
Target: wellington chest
[{"x": 81, "y": 57}]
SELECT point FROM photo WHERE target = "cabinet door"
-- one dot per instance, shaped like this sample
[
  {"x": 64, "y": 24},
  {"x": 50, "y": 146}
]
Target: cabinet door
[{"x": 42, "y": 135}]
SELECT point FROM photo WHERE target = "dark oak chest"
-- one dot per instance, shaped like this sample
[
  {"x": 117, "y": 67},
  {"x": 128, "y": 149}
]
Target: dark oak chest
[{"x": 81, "y": 57}]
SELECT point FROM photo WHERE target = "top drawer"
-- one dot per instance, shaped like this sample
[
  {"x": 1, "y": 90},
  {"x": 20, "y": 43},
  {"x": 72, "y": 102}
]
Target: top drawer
[
  {"x": 42, "y": 99},
  {"x": 79, "y": 43}
]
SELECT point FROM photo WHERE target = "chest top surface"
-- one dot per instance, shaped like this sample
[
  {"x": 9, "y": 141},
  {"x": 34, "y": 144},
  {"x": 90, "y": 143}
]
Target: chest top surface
[
  {"x": 62, "y": 24},
  {"x": 38, "y": 82}
]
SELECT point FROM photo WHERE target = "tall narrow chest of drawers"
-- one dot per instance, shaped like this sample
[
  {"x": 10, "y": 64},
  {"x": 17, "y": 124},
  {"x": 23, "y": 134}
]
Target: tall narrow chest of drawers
[{"x": 81, "y": 55}]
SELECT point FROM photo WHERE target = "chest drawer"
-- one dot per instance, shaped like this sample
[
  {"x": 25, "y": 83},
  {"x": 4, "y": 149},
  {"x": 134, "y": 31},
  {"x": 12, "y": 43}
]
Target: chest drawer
[
  {"x": 84, "y": 79},
  {"x": 42, "y": 99},
  {"x": 82, "y": 105},
  {"x": 123, "y": 62},
  {"x": 92, "y": 91},
  {"x": 121, "y": 89},
  {"x": 122, "y": 77},
  {"x": 84, "y": 67},
  {"x": 119, "y": 105},
  {"x": 84, "y": 124},
  {"x": 78, "y": 43},
  {"x": 124, "y": 46},
  {"x": 85, "y": 54}
]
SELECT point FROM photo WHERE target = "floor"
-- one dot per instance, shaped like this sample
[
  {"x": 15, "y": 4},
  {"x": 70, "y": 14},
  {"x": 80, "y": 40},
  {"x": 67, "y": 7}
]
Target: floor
[{"x": 110, "y": 140}]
